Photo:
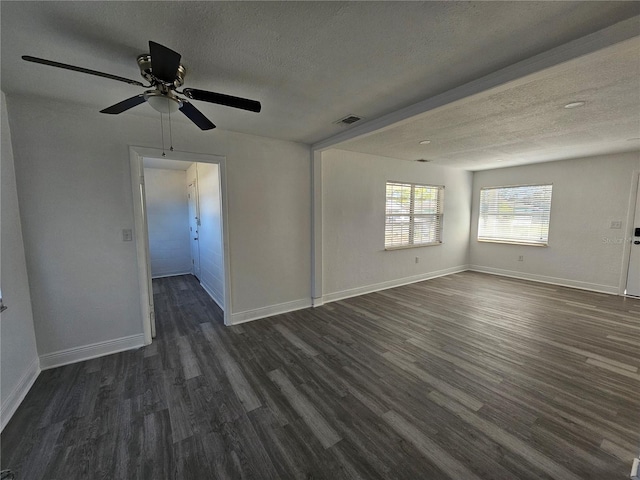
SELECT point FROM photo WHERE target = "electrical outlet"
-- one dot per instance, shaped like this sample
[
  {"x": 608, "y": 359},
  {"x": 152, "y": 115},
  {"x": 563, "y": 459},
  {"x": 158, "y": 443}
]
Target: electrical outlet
[
  {"x": 127, "y": 235},
  {"x": 521, "y": 258},
  {"x": 616, "y": 225},
  {"x": 417, "y": 259}
]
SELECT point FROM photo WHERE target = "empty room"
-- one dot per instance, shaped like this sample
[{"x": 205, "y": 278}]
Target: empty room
[{"x": 328, "y": 240}]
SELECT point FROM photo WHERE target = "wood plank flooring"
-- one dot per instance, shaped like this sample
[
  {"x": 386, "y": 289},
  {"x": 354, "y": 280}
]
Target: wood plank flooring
[{"x": 468, "y": 376}]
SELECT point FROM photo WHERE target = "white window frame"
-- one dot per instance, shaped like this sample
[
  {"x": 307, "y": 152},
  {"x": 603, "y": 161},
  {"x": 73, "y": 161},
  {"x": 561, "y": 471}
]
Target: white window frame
[
  {"x": 439, "y": 215},
  {"x": 542, "y": 213}
]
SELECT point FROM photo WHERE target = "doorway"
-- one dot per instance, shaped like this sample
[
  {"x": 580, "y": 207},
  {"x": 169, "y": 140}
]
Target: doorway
[
  {"x": 168, "y": 217},
  {"x": 184, "y": 222},
  {"x": 205, "y": 219}
]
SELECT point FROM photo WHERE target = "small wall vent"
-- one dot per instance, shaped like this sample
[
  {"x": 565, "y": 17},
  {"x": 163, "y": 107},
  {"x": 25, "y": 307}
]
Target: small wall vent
[{"x": 348, "y": 120}]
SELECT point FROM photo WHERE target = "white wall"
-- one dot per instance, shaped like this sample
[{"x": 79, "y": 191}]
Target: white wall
[
  {"x": 583, "y": 251},
  {"x": 168, "y": 221},
  {"x": 353, "y": 206},
  {"x": 73, "y": 177},
  {"x": 210, "y": 232},
  {"x": 18, "y": 355}
]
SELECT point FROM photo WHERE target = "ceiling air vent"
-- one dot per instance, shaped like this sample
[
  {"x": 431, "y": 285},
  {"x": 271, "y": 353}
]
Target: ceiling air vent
[{"x": 348, "y": 120}]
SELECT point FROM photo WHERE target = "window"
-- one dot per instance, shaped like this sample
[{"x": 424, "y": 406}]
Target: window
[
  {"x": 515, "y": 214},
  {"x": 413, "y": 215}
]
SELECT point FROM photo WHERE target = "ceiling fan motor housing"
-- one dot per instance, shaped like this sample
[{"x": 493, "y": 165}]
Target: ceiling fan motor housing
[{"x": 146, "y": 70}]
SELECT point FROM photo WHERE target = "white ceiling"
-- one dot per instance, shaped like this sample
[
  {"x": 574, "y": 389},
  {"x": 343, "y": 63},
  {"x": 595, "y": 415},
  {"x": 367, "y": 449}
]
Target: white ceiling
[
  {"x": 525, "y": 121},
  {"x": 311, "y": 63}
]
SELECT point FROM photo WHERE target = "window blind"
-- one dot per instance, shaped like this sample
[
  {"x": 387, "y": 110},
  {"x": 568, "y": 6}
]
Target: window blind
[
  {"x": 413, "y": 215},
  {"x": 518, "y": 214}
]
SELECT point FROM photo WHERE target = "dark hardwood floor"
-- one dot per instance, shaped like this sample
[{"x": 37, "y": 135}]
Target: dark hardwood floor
[{"x": 468, "y": 376}]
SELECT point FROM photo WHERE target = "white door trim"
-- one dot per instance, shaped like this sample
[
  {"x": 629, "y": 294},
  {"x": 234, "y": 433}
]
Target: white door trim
[
  {"x": 142, "y": 245},
  {"x": 136, "y": 155},
  {"x": 194, "y": 216},
  {"x": 626, "y": 255}
]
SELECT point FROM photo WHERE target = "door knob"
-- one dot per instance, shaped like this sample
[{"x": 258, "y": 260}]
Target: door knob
[{"x": 636, "y": 242}]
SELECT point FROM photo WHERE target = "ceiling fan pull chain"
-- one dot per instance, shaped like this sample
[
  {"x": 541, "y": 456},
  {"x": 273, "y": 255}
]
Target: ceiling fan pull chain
[
  {"x": 170, "y": 133},
  {"x": 162, "y": 132}
]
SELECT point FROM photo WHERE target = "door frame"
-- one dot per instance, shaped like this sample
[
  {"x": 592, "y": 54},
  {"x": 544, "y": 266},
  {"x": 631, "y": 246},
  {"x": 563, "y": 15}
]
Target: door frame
[
  {"x": 136, "y": 155},
  {"x": 196, "y": 201},
  {"x": 628, "y": 238}
]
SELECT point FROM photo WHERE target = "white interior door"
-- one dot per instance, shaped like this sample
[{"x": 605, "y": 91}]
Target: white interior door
[
  {"x": 194, "y": 224},
  {"x": 633, "y": 277}
]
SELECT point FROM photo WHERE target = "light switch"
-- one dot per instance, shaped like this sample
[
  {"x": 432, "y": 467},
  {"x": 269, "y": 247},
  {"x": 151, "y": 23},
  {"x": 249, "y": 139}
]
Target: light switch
[{"x": 127, "y": 235}]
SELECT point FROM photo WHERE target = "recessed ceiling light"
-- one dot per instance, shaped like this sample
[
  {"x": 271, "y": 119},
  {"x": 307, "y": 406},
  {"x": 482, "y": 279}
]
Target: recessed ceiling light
[
  {"x": 575, "y": 104},
  {"x": 425, "y": 142}
]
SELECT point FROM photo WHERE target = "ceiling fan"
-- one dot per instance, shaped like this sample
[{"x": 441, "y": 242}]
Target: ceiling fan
[{"x": 161, "y": 67}]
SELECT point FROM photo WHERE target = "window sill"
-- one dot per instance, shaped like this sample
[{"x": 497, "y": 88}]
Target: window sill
[
  {"x": 404, "y": 247},
  {"x": 506, "y": 242}
]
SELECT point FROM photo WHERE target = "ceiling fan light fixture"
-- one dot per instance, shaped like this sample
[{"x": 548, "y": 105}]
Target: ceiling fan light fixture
[{"x": 163, "y": 103}]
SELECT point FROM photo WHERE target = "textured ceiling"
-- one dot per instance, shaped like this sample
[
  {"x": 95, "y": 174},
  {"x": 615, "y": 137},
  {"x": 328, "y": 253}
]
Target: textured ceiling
[
  {"x": 309, "y": 63},
  {"x": 526, "y": 122}
]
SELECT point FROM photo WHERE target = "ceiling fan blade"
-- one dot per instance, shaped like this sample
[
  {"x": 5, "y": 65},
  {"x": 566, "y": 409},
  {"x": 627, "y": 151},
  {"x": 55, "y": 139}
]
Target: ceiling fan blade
[
  {"x": 221, "y": 99},
  {"x": 124, "y": 105},
  {"x": 80, "y": 69},
  {"x": 164, "y": 62},
  {"x": 196, "y": 116}
]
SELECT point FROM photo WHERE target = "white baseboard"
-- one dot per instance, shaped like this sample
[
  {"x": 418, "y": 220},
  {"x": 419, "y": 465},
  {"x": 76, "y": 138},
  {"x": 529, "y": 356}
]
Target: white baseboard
[
  {"x": 15, "y": 398},
  {"x": 87, "y": 352},
  {"x": 166, "y": 275},
  {"x": 354, "y": 292},
  {"x": 213, "y": 297},
  {"x": 250, "y": 315},
  {"x": 563, "y": 282}
]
